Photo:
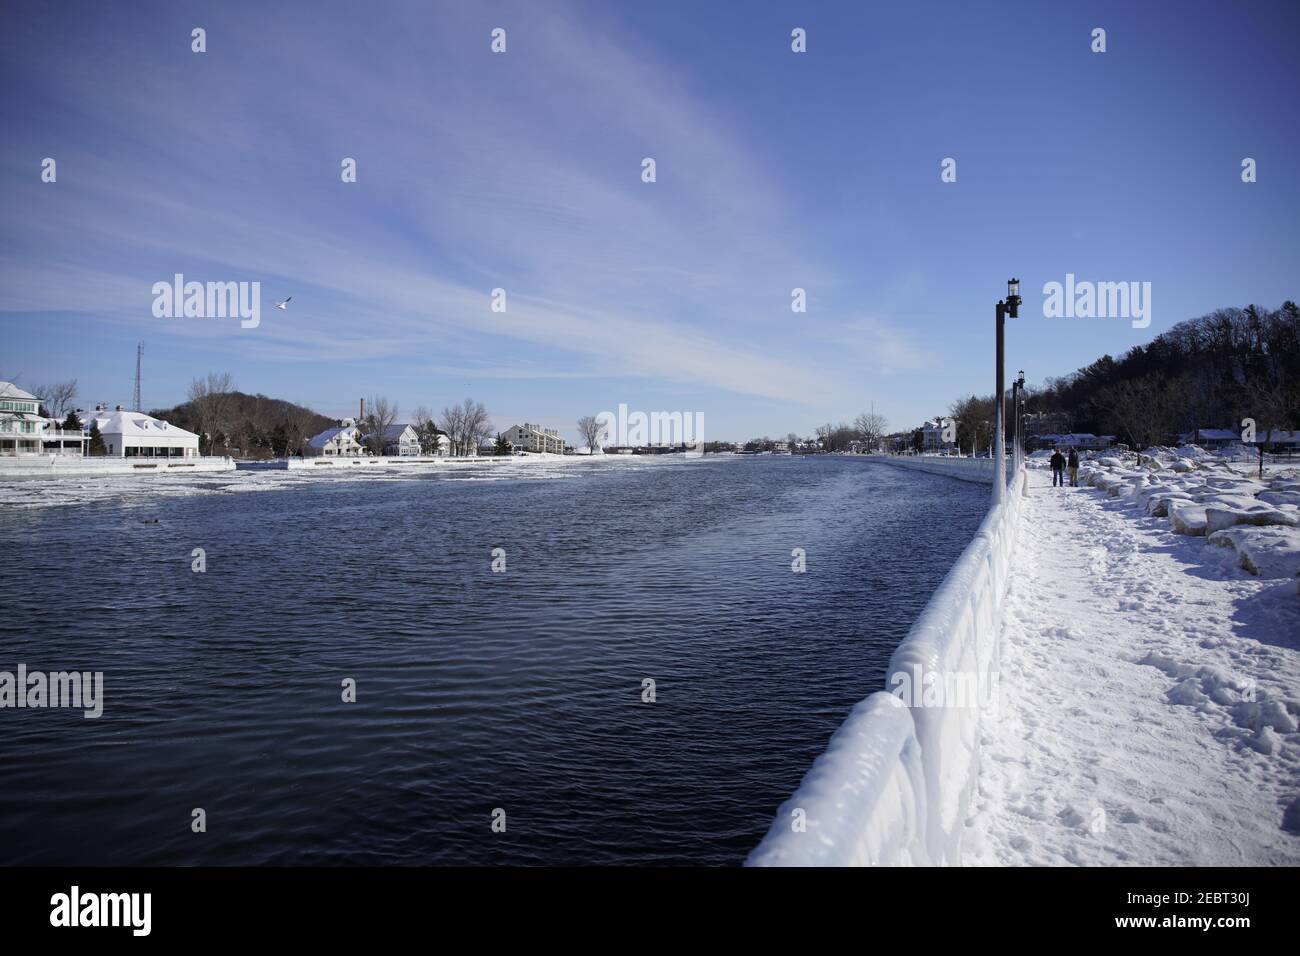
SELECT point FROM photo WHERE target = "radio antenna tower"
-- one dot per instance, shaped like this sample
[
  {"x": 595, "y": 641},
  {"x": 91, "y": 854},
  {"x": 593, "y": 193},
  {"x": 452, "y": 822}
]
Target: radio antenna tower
[{"x": 135, "y": 396}]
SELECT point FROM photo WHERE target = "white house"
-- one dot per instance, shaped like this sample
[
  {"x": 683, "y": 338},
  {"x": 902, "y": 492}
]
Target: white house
[
  {"x": 24, "y": 431},
  {"x": 128, "y": 434},
  {"x": 338, "y": 442},
  {"x": 527, "y": 437},
  {"x": 401, "y": 440},
  {"x": 21, "y": 423},
  {"x": 441, "y": 445}
]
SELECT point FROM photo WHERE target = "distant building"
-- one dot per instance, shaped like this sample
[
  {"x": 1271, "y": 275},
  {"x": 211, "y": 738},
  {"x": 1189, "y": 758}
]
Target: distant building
[
  {"x": 534, "y": 438},
  {"x": 401, "y": 440},
  {"x": 1280, "y": 440},
  {"x": 1211, "y": 437},
  {"x": 441, "y": 444},
  {"x": 932, "y": 439},
  {"x": 1046, "y": 423},
  {"x": 1216, "y": 438},
  {"x": 1083, "y": 441},
  {"x": 338, "y": 442},
  {"x": 898, "y": 442},
  {"x": 128, "y": 434},
  {"x": 21, "y": 423}
]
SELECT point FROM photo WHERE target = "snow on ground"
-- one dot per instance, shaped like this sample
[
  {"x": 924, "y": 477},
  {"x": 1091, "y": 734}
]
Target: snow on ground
[{"x": 1149, "y": 693}]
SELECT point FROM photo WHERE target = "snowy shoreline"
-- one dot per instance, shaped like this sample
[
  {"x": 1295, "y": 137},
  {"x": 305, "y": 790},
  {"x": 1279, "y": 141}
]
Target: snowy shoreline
[{"x": 1064, "y": 768}]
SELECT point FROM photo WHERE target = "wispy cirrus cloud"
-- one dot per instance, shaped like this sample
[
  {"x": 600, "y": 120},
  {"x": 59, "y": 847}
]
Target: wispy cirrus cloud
[{"x": 470, "y": 179}]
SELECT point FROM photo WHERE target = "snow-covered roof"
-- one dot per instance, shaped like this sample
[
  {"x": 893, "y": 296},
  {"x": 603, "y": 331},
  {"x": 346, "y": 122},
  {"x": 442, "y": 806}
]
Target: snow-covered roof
[
  {"x": 12, "y": 391},
  {"x": 321, "y": 440},
  {"x": 1227, "y": 434},
  {"x": 138, "y": 425}
]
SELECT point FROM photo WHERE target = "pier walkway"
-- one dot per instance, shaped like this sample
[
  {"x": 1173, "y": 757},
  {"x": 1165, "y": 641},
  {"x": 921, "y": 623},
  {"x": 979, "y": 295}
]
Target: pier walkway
[{"x": 1142, "y": 702}]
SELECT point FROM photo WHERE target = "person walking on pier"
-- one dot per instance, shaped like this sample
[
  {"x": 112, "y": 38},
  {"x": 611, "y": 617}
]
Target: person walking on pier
[
  {"x": 1058, "y": 468},
  {"x": 1073, "y": 464}
]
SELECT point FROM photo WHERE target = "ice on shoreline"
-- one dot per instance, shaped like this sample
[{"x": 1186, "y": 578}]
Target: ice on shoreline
[{"x": 47, "y": 492}]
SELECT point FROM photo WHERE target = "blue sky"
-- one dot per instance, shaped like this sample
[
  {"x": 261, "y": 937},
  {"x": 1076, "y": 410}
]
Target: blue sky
[{"x": 522, "y": 171}]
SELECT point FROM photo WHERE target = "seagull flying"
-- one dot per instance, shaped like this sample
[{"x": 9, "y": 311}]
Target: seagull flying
[{"x": 283, "y": 305}]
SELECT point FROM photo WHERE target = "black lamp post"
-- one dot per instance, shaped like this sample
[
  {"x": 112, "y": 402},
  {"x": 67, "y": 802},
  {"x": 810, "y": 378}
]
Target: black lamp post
[
  {"x": 1017, "y": 424},
  {"x": 1010, "y": 307}
]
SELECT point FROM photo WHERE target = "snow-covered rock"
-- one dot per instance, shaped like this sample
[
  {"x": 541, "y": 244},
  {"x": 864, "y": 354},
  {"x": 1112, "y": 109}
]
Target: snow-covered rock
[
  {"x": 1187, "y": 517},
  {"x": 1218, "y": 518},
  {"x": 1157, "y": 504},
  {"x": 1269, "y": 552},
  {"x": 1275, "y": 497}
]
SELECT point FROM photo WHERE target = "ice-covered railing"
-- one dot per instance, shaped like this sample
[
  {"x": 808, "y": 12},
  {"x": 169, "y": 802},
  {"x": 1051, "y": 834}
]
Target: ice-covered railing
[
  {"x": 954, "y": 466},
  {"x": 894, "y": 785}
]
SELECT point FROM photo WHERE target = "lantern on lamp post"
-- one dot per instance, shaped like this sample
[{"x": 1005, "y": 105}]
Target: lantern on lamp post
[{"x": 1009, "y": 307}]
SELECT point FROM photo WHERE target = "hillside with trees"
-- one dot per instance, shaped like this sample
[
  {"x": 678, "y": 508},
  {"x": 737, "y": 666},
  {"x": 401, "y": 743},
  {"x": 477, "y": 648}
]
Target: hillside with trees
[
  {"x": 230, "y": 422},
  {"x": 1209, "y": 372}
]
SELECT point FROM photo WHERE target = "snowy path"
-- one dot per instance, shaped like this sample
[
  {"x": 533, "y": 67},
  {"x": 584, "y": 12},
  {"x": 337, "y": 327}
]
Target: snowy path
[{"x": 1125, "y": 732}]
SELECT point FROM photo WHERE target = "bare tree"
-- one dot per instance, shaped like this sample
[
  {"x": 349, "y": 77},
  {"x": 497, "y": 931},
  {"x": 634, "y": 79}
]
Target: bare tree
[
  {"x": 57, "y": 398},
  {"x": 451, "y": 423},
  {"x": 210, "y": 400},
  {"x": 592, "y": 430},
  {"x": 380, "y": 415},
  {"x": 467, "y": 426},
  {"x": 427, "y": 431},
  {"x": 870, "y": 428},
  {"x": 835, "y": 437}
]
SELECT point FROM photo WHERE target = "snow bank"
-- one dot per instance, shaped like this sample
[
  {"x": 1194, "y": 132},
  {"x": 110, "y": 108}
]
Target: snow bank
[{"x": 865, "y": 802}]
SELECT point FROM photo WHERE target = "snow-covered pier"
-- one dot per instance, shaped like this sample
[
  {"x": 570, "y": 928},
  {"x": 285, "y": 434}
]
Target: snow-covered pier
[
  {"x": 895, "y": 784},
  {"x": 1144, "y": 678},
  {"x": 953, "y": 466}
]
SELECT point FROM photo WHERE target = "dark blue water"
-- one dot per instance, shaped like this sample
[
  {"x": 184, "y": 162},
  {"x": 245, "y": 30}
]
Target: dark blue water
[{"x": 476, "y": 690}]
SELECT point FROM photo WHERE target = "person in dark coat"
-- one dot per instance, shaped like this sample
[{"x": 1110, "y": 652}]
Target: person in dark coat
[
  {"x": 1073, "y": 464},
  {"x": 1058, "y": 468}
]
